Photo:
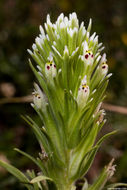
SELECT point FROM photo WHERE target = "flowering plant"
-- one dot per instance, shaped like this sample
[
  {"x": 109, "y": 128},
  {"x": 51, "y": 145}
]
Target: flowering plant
[{"x": 72, "y": 76}]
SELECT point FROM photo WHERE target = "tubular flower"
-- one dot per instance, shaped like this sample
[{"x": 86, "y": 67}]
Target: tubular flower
[
  {"x": 83, "y": 93},
  {"x": 103, "y": 65},
  {"x": 50, "y": 69},
  {"x": 100, "y": 72},
  {"x": 38, "y": 97},
  {"x": 88, "y": 54}
]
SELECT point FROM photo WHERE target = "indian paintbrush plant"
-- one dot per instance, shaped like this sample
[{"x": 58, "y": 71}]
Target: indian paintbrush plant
[{"x": 72, "y": 76}]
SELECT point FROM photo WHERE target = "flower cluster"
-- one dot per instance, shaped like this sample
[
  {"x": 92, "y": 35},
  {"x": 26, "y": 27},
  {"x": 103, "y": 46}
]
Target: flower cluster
[
  {"x": 68, "y": 53},
  {"x": 73, "y": 76}
]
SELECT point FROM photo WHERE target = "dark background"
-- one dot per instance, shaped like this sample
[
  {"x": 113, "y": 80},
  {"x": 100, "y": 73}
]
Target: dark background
[{"x": 19, "y": 25}]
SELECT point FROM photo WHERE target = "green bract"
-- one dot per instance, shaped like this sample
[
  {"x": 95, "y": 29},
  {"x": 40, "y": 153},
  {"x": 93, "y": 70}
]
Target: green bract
[{"x": 72, "y": 77}]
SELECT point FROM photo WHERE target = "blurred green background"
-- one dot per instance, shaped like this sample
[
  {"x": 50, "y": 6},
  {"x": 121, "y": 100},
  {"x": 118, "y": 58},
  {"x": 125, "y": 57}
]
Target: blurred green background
[{"x": 19, "y": 25}]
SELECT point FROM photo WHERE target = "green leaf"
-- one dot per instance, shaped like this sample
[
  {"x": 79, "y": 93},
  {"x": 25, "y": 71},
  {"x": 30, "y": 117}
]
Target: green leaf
[
  {"x": 66, "y": 71},
  {"x": 40, "y": 79},
  {"x": 105, "y": 136},
  {"x": 86, "y": 164},
  {"x": 115, "y": 185},
  {"x": 100, "y": 182},
  {"x": 82, "y": 149},
  {"x": 39, "y": 135},
  {"x": 47, "y": 142},
  {"x": 50, "y": 32},
  {"x": 40, "y": 178},
  {"x": 31, "y": 174},
  {"x": 98, "y": 97},
  {"x": 31, "y": 158},
  {"x": 75, "y": 126},
  {"x": 41, "y": 60},
  {"x": 53, "y": 131},
  {"x": 57, "y": 56},
  {"x": 17, "y": 173},
  {"x": 105, "y": 175},
  {"x": 89, "y": 25},
  {"x": 80, "y": 35}
]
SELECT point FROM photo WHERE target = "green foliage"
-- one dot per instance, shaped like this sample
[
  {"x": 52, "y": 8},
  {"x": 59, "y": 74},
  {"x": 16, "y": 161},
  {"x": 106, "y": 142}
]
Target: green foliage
[{"x": 17, "y": 173}]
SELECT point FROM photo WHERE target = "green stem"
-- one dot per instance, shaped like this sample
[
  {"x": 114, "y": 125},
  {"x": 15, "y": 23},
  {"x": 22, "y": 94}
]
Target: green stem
[{"x": 67, "y": 187}]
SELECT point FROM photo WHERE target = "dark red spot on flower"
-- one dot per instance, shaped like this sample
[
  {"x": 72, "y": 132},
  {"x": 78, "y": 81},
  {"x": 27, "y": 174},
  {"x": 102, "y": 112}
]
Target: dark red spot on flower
[
  {"x": 86, "y": 56},
  {"x": 86, "y": 90},
  {"x": 92, "y": 55},
  {"x": 55, "y": 66},
  {"x": 103, "y": 67},
  {"x": 48, "y": 67}
]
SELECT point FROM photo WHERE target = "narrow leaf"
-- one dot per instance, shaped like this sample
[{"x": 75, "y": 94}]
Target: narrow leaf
[
  {"x": 30, "y": 157},
  {"x": 17, "y": 173},
  {"x": 40, "y": 178}
]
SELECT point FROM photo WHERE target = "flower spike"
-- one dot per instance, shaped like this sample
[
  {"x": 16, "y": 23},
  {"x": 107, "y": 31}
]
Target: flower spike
[{"x": 73, "y": 76}]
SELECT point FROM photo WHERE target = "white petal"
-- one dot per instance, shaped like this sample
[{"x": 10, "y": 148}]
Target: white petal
[
  {"x": 34, "y": 46},
  {"x": 62, "y": 25},
  {"x": 84, "y": 81},
  {"x": 42, "y": 30},
  {"x": 103, "y": 59},
  {"x": 66, "y": 51}
]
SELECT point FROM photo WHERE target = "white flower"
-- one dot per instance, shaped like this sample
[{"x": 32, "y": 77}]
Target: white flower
[
  {"x": 39, "y": 99},
  {"x": 92, "y": 37},
  {"x": 60, "y": 19},
  {"x": 83, "y": 93},
  {"x": 71, "y": 31},
  {"x": 95, "y": 40},
  {"x": 66, "y": 21},
  {"x": 50, "y": 69},
  {"x": 73, "y": 21},
  {"x": 34, "y": 47},
  {"x": 39, "y": 41},
  {"x": 103, "y": 65},
  {"x": 62, "y": 25},
  {"x": 42, "y": 31},
  {"x": 87, "y": 54}
]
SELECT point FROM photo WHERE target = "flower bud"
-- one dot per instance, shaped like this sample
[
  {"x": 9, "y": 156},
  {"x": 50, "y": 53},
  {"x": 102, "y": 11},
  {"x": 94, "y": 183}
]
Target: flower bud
[
  {"x": 110, "y": 169},
  {"x": 101, "y": 116}
]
